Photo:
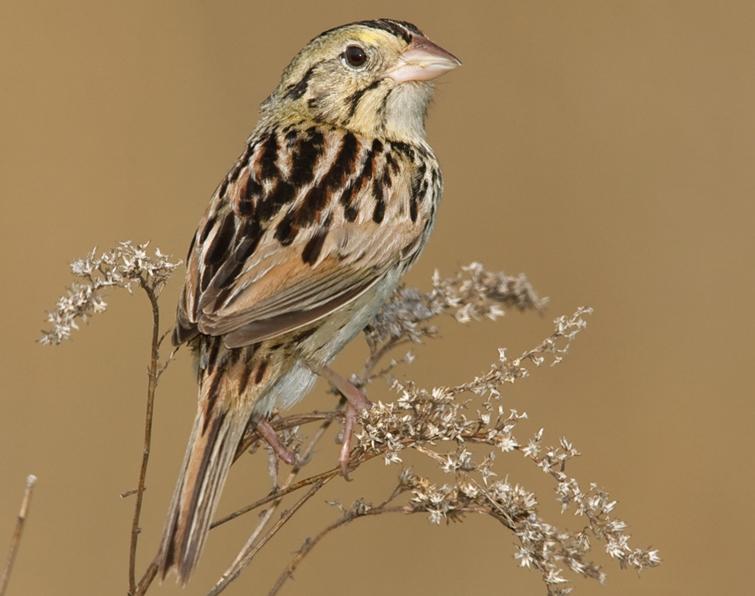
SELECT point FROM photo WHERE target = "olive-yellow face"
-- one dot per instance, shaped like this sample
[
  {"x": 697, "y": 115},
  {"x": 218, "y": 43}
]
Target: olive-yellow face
[{"x": 370, "y": 77}]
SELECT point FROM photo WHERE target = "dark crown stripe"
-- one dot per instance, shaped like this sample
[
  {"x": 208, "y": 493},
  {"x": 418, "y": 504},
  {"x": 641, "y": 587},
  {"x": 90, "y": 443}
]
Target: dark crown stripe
[{"x": 401, "y": 29}]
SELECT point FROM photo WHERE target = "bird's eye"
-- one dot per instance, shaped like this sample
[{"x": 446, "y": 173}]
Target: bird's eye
[{"x": 355, "y": 56}]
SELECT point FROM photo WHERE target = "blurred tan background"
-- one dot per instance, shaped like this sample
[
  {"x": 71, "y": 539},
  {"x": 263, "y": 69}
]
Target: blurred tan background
[{"x": 605, "y": 148}]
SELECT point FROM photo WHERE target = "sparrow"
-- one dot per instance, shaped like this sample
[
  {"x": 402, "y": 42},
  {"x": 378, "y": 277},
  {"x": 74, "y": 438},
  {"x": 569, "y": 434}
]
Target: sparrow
[{"x": 331, "y": 201}]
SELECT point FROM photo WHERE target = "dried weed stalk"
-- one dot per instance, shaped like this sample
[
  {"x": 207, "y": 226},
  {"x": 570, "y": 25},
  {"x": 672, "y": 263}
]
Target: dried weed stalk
[
  {"x": 18, "y": 532},
  {"x": 464, "y": 429}
]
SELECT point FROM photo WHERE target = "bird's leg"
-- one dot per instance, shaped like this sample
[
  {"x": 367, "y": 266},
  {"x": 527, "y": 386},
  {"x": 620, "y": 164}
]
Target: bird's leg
[
  {"x": 351, "y": 392},
  {"x": 348, "y": 430},
  {"x": 357, "y": 403},
  {"x": 268, "y": 433}
]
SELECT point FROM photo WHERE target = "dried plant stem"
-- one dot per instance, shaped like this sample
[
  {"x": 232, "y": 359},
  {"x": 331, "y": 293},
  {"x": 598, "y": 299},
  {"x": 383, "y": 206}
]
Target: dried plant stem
[
  {"x": 310, "y": 543},
  {"x": 253, "y": 546},
  {"x": 153, "y": 374},
  {"x": 146, "y": 580},
  {"x": 277, "y": 495},
  {"x": 419, "y": 419},
  {"x": 288, "y": 488},
  {"x": 17, "y": 533}
]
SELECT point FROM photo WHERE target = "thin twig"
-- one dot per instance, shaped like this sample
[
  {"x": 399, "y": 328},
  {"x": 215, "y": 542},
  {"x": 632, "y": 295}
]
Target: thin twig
[
  {"x": 153, "y": 374},
  {"x": 147, "y": 579},
  {"x": 348, "y": 516},
  {"x": 17, "y": 533},
  {"x": 253, "y": 546},
  {"x": 288, "y": 487},
  {"x": 290, "y": 422},
  {"x": 310, "y": 543},
  {"x": 275, "y": 495},
  {"x": 377, "y": 355},
  {"x": 250, "y": 549},
  {"x": 355, "y": 461}
]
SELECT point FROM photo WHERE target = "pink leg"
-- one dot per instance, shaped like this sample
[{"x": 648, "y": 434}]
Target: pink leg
[
  {"x": 357, "y": 403},
  {"x": 268, "y": 433},
  {"x": 348, "y": 430},
  {"x": 350, "y": 391}
]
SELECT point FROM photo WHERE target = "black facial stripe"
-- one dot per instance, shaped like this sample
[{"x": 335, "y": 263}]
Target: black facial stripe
[
  {"x": 384, "y": 106},
  {"x": 296, "y": 90},
  {"x": 356, "y": 97}
]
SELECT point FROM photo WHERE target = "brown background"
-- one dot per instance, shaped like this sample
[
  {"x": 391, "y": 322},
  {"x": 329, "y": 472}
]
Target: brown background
[{"x": 606, "y": 148}]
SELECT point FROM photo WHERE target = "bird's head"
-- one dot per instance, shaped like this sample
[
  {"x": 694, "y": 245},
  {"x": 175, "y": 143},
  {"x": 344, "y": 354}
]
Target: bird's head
[{"x": 371, "y": 77}]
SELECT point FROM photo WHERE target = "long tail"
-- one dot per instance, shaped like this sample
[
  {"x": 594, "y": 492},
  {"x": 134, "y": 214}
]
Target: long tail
[{"x": 225, "y": 407}]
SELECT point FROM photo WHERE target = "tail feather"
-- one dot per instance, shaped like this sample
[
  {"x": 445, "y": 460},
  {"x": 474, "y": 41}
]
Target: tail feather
[{"x": 218, "y": 427}]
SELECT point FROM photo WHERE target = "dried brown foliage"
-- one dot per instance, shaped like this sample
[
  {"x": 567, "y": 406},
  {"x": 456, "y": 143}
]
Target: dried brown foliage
[{"x": 467, "y": 430}]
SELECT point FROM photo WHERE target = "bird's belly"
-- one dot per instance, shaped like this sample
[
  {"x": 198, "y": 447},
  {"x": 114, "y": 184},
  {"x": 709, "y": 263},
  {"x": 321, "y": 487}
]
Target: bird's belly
[
  {"x": 341, "y": 327},
  {"x": 320, "y": 347}
]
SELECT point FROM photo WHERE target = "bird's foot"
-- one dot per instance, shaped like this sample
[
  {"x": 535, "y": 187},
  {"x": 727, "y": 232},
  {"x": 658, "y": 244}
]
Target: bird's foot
[
  {"x": 357, "y": 403},
  {"x": 351, "y": 392},
  {"x": 348, "y": 430},
  {"x": 271, "y": 437}
]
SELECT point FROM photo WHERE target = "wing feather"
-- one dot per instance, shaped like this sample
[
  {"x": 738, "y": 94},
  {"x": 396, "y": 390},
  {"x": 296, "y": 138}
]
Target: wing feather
[{"x": 284, "y": 243}]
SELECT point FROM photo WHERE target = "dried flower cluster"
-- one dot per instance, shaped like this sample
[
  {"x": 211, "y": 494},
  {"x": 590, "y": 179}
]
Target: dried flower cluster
[
  {"x": 472, "y": 413},
  {"x": 119, "y": 267},
  {"x": 466, "y": 429},
  {"x": 472, "y": 294}
]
